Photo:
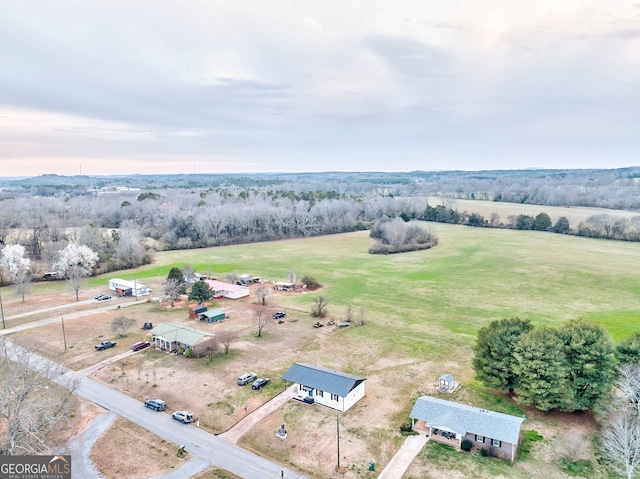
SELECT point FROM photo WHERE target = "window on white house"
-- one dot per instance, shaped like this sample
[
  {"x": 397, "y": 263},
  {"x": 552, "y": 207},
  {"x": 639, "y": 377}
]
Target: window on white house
[
  {"x": 495, "y": 442},
  {"x": 334, "y": 397},
  {"x": 479, "y": 438},
  {"x": 319, "y": 392}
]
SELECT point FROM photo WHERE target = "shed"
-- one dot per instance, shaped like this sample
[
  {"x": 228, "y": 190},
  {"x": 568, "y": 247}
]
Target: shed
[
  {"x": 284, "y": 286},
  {"x": 196, "y": 312},
  {"x": 213, "y": 316},
  {"x": 446, "y": 383}
]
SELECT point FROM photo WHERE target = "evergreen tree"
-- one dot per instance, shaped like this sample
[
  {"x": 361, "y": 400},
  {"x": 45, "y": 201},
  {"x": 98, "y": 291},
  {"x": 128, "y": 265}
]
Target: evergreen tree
[
  {"x": 541, "y": 368},
  {"x": 590, "y": 356},
  {"x": 178, "y": 275},
  {"x": 494, "y": 361},
  {"x": 628, "y": 351},
  {"x": 200, "y": 292}
]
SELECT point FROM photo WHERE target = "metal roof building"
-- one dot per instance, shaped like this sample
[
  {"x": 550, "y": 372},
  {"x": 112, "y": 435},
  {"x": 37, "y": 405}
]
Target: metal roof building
[
  {"x": 329, "y": 387},
  {"x": 170, "y": 336}
]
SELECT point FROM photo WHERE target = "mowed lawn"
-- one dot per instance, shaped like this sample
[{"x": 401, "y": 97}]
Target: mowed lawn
[{"x": 472, "y": 277}]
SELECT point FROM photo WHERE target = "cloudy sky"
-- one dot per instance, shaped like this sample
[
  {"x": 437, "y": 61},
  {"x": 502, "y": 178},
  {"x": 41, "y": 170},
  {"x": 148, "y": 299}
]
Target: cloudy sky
[{"x": 211, "y": 86}]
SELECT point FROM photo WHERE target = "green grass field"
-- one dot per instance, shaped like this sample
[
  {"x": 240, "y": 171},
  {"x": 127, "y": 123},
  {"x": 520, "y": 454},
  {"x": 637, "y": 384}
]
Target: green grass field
[{"x": 472, "y": 277}]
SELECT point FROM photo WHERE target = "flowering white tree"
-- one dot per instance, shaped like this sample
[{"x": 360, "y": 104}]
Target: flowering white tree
[
  {"x": 14, "y": 260},
  {"x": 74, "y": 257}
]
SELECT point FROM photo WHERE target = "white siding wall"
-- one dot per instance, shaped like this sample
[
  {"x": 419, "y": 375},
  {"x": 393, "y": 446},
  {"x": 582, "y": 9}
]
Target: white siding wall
[{"x": 339, "y": 403}]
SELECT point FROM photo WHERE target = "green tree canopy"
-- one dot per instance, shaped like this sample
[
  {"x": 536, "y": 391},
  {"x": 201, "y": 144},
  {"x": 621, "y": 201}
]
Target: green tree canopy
[
  {"x": 590, "y": 356},
  {"x": 628, "y": 351},
  {"x": 493, "y": 361},
  {"x": 562, "y": 226},
  {"x": 541, "y": 369},
  {"x": 200, "y": 292},
  {"x": 542, "y": 222}
]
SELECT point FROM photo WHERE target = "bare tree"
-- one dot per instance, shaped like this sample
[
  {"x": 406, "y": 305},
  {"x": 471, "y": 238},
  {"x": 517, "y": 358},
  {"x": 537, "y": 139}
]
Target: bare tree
[
  {"x": 122, "y": 323},
  {"x": 348, "y": 313},
  {"x": 173, "y": 289},
  {"x": 75, "y": 277},
  {"x": 227, "y": 337},
  {"x": 189, "y": 273},
  {"x": 263, "y": 293},
  {"x": 207, "y": 348},
  {"x": 262, "y": 318},
  {"x": 628, "y": 383},
  {"x": 22, "y": 283},
  {"x": 575, "y": 446},
  {"x": 319, "y": 309},
  {"x": 31, "y": 407},
  {"x": 621, "y": 441},
  {"x": 292, "y": 276}
]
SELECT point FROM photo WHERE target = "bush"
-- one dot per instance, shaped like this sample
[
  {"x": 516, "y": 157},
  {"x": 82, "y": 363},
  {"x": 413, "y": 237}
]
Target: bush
[
  {"x": 405, "y": 427},
  {"x": 310, "y": 282},
  {"x": 484, "y": 452},
  {"x": 466, "y": 445}
]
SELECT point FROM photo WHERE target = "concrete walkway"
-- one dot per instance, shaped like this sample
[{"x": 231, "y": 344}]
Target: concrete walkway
[
  {"x": 404, "y": 457},
  {"x": 243, "y": 426}
]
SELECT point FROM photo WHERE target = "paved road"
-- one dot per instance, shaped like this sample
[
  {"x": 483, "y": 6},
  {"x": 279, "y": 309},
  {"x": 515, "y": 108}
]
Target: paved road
[{"x": 197, "y": 441}]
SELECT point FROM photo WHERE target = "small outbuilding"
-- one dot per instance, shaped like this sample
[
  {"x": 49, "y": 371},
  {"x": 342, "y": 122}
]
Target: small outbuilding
[
  {"x": 122, "y": 287},
  {"x": 328, "y": 387},
  {"x": 213, "y": 316},
  {"x": 197, "y": 311},
  {"x": 283, "y": 286},
  {"x": 446, "y": 383}
]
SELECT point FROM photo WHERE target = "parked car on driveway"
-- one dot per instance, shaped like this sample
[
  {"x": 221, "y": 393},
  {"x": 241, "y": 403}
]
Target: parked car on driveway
[
  {"x": 102, "y": 297},
  {"x": 259, "y": 383},
  {"x": 183, "y": 416},
  {"x": 105, "y": 345},
  {"x": 279, "y": 314},
  {"x": 246, "y": 378},
  {"x": 140, "y": 345},
  {"x": 155, "y": 404}
]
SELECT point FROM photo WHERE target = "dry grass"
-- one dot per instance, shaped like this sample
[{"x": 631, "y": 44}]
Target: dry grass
[{"x": 118, "y": 452}]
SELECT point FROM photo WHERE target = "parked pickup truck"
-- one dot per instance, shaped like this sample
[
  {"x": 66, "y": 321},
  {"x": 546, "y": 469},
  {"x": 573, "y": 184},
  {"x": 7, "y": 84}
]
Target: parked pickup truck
[{"x": 105, "y": 345}]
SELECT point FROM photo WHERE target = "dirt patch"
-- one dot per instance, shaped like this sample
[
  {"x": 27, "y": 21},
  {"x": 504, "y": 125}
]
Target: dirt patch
[{"x": 118, "y": 452}]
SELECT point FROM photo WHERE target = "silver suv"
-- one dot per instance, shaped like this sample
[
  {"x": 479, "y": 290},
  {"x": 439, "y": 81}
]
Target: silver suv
[{"x": 247, "y": 378}]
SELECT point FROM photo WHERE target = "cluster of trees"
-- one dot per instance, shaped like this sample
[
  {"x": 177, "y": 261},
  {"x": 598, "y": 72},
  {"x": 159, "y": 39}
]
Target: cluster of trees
[
  {"x": 571, "y": 368},
  {"x": 393, "y": 235},
  {"x": 124, "y": 226}
]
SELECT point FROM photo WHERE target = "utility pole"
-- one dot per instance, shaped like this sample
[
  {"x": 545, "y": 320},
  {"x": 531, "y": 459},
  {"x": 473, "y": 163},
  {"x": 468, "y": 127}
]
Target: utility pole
[
  {"x": 64, "y": 335},
  {"x": 338, "y": 431},
  {"x": 2, "y": 313},
  {"x": 135, "y": 288}
]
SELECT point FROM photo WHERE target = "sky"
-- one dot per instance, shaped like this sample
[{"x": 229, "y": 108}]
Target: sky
[{"x": 101, "y": 87}]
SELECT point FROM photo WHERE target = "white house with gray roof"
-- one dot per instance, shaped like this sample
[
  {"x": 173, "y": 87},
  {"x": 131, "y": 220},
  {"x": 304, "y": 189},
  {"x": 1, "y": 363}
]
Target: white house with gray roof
[
  {"x": 450, "y": 423},
  {"x": 328, "y": 387}
]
